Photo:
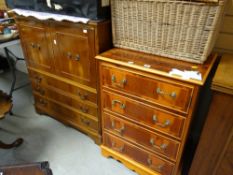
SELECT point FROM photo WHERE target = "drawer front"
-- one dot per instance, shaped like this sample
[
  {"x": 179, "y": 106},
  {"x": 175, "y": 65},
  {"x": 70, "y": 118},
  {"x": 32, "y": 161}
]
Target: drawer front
[
  {"x": 66, "y": 100},
  {"x": 142, "y": 114},
  {"x": 158, "y": 91},
  {"x": 147, "y": 159},
  {"x": 80, "y": 93},
  {"x": 139, "y": 135},
  {"x": 62, "y": 113}
]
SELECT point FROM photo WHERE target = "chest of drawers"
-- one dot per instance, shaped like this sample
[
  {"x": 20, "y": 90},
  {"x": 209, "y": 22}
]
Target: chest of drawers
[
  {"x": 146, "y": 112},
  {"x": 62, "y": 69}
]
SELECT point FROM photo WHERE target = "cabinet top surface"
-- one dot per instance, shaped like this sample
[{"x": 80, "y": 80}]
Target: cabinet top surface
[
  {"x": 65, "y": 22},
  {"x": 159, "y": 65},
  {"x": 223, "y": 80}
]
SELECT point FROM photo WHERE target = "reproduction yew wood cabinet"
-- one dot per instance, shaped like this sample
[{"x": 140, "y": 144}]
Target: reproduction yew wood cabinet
[
  {"x": 146, "y": 112},
  {"x": 62, "y": 67}
]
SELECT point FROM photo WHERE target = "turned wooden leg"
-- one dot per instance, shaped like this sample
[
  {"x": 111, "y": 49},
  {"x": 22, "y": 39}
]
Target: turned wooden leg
[{"x": 16, "y": 143}]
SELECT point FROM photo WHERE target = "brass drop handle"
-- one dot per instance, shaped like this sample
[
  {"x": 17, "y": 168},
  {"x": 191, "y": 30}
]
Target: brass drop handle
[
  {"x": 40, "y": 90},
  {"x": 38, "y": 46},
  {"x": 121, "y": 84},
  {"x": 38, "y": 79},
  {"x": 120, "y": 149},
  {"x": 161, "y": 147},
  {"x": 158, "y": 168},
  {"x": 86, "y": 122},
  {"x": 84, "y": 109},
  {"x": 121, "y": 130},
  {"x": 82, "y": 96},
  {"x": 163, "y": 125},
  {"x": 77, "y": 57},
  {"x": 33, "y": 45},
  {"x": 69, "y": 55},
  {"x": 122, "y": 105},
  {"x": 161, "y": 92},
  {"x": 43, "y": 102}
]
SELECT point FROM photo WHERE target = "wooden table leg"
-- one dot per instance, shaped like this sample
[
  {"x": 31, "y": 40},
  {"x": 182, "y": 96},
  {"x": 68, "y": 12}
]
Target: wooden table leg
[{"x": 16, "y": 143}]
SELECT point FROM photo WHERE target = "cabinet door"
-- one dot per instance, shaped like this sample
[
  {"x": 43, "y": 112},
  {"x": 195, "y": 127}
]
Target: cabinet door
[
  {"x": 74, "y": 52},
  {"x": 35, "y": 45}
]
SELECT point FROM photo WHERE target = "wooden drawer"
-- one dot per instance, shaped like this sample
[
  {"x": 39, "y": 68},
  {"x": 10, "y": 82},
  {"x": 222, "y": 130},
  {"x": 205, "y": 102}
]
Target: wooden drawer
[
  {"x": 66, "y": 115},
  {"x": 156, "y": 90},
  {"x": 67, "y": 88},
  {"x": 142, "y": 114},
  {"x": 147, "y": 159},
  {"x": 56, "y": 95},
  {"x": 139, "y": 135}
]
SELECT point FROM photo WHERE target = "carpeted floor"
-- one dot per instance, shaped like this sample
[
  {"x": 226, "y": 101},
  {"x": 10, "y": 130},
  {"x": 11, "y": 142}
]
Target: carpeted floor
[{"x": 45, "y": 139}]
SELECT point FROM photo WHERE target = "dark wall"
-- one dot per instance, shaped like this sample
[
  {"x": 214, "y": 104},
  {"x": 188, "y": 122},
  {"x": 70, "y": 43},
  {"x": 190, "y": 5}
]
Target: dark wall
[{"x": 83, "y": 8}]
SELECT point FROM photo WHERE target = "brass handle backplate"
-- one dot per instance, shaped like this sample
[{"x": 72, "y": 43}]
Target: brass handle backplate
[
  {"x": 38, "y": 79},
  {"x": 121, "y": 130},
  {"x": 34, "y": 46},
  {"x": 86, "y": 122},
  {"x": 161, "y": 92},
  {"x": 84, "y": 109},
  {"x": 158, "y": 168},
  {"x": 71, "y": 56},
  {"x": 161, "y": 147},
  {"x": 40, "y": 90},
  {"x": 83, "y": 96},
  {"x": 120, "y": 149},
  {"x": 163, "y": 125},
  {"x": 42, "y": 102},
  {"x": 122, "y": 105},
  {"x": 121, "y": 84}
]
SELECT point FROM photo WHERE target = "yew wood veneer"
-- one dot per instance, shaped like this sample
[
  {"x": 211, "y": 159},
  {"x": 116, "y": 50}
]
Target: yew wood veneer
[
  {"x": 62, "y": 68},
  {"x": 146, "y": 112}
]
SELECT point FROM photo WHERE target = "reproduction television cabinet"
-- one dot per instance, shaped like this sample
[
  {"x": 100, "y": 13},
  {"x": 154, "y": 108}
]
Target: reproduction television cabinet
[{"x": 62, "y": 68}]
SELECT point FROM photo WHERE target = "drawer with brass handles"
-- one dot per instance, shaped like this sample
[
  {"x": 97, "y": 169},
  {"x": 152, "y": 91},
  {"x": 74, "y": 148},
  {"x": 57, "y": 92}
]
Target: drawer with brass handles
[
  {"x": 62, "y": 113},
  {"x": 156, "y": 90},
  {"x": 37, "y": 78},
  {"x": 66, "y": 100},
  {"x": 147, "y": 159},
  {"x": 73, "y": 90},
  {"x": 141, "y": 136},
  {"x": 148, "y": 116}
]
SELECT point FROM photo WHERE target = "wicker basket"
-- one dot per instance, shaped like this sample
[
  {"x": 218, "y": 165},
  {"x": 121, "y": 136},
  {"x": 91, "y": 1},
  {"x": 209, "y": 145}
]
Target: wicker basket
[{"x": 177, "y": 29}]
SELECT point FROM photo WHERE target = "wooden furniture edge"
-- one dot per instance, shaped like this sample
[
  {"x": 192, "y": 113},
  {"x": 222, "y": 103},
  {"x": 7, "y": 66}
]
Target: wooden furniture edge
[
  {"x": 93, "y": 90},
  {"x": 158, "y": 72},
  {"x": 132, "y": 165}
]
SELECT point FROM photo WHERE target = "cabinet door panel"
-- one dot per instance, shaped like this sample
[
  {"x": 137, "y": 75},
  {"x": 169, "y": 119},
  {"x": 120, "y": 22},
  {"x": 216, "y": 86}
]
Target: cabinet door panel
[
  {"x": 36, "y": 46},
  {"x": 74, "y": 54}
]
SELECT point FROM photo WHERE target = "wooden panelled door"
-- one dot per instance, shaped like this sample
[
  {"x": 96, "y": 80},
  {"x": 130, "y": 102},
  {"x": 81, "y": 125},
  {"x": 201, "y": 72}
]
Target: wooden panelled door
[
  {"x": 36, "y": 47},
  {"x": 73, "y": 49}
]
